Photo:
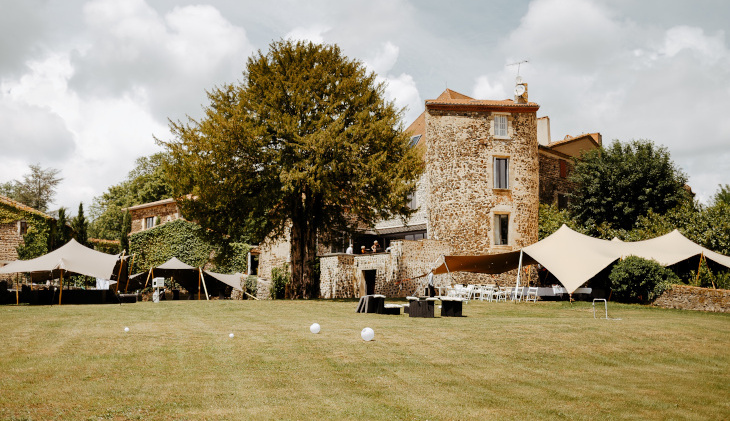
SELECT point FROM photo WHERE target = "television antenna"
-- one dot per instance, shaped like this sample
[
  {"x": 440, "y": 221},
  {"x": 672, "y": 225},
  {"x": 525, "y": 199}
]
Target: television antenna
[{"x": 518, "y": 65}]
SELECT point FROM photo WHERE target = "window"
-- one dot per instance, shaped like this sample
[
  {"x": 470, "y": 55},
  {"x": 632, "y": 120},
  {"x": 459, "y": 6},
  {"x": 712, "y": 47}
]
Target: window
[
  {"x": 562, "y": 201},
  {"x": 149, "y": 222},
  {"x": 414, "y": 140},
  {"x": 500, "y": 126},
  {"x": 501, "y": 173},
  {"x": 412, "y": 201},
  {"x": 563, "y": 169},
  {"x": 22, "y": 227},
  {"x": 501, "y": 229}
]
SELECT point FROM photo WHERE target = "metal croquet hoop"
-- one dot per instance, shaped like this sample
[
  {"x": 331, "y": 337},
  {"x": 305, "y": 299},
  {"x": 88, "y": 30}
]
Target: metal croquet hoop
[{"x": 605, "y": 307}]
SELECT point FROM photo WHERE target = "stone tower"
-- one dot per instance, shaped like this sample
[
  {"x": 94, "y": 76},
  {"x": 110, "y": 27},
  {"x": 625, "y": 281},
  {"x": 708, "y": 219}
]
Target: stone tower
[{"x": 482, "y": 172}]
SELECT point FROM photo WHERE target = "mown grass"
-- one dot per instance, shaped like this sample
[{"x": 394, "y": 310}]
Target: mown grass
[{"x": 501, "y": 361}]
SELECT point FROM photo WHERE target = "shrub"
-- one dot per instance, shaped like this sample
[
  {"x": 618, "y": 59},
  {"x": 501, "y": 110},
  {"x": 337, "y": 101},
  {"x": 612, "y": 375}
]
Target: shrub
[
  {"x": 280, "y": 277},
  {"x": 639, "y": 280},
  {"x": 251, "y": 285}
]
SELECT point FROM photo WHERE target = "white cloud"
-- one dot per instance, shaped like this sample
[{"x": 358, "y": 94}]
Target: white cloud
[
  {"x": 593, "y": 70},
  {"x": 708, "y": 49},
  {"x": 483, "y": 89},
  {"x": 400, "y": 89},
  {"x": 314, "y": 33},
  {"x": 384, "y": 59},
  {"x": 173, "y": 57}
]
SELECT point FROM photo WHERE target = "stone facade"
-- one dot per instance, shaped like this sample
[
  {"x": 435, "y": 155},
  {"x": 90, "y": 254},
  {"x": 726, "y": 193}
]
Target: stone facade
[
  {"x": 273, "y": 253},
  {"x": 393, "y": 273},
  {"x": 10, "y": 239},
  {"x": 164, "y": 211},
  {"x": 554, "y": 183},
  {"x": 693, "y": 298},
  {"x": 463, "y": 200}
]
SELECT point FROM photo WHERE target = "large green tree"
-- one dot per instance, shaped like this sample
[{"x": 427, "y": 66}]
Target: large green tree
[
  {"x": 624, "y": 181},
  {"x": 37, "y": 189},
  {"x": 306, "y": 143}
]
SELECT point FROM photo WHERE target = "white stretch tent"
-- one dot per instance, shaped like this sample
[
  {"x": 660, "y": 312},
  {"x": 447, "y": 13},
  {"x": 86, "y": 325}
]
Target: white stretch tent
[
  {"x": 574, "y": 258},
  {"x": 72, "y": 257}
]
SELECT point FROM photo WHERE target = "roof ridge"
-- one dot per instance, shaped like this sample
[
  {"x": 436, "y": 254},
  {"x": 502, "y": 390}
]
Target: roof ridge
[{"x": 14, "y": 203}]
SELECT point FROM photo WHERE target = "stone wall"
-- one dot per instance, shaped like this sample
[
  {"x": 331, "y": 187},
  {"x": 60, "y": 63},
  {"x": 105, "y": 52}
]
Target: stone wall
[
  {"x": 342, "y": 274},
  {"x": 551, "y": 181},
  {"x": 462, "y": 200},
  {"x": 166, "y": 212},
  {"x": 419, "y": 217},
  {"x": 273, "y": 253},
  {"x": 10, "y": 238},
  {"x": 337, "y": 276},
  {"x": 693, "y": 298}
]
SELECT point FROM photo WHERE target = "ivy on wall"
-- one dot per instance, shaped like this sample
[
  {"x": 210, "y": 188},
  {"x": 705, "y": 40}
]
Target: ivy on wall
[
  {"x": 36, "y": 241},
  {"x": 186, "y": 241}
]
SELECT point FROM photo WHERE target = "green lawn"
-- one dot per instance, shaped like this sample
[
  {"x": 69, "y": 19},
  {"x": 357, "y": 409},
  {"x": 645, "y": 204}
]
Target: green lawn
[{"x": 501, "y": 361}]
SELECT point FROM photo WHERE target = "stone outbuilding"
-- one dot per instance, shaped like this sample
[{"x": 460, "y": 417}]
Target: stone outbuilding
[
  {"x": 149, "y": 215},
  {"x": 15, "y": 221}
]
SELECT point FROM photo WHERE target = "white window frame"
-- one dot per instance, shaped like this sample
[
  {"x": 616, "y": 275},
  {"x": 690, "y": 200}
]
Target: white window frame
[
  {"x": 498, "y": 175},
  {"x": 498, "y": 238},
  {"x": 147, "y": 224},
  {"x": 501, "y": 126}
]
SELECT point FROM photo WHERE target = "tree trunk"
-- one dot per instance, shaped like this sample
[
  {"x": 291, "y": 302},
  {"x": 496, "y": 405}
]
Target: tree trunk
[{"x": 304, "y": 249}]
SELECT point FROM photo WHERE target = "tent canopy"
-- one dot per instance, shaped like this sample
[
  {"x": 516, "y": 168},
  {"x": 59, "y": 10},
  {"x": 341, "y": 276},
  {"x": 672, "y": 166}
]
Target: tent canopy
[
  {"x": 233, "y": 281},
  {"x": 574, "y": 258},
  {"x": 189, "y": 276},
  {"x": 71, "y": 257},
  {"x": 488, "y": 263}
]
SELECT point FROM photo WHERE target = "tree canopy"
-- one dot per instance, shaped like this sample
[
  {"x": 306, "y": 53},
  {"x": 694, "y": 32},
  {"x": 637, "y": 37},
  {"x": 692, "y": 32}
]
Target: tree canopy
[
  {"x": 618, "y": 184},
  {"x": 306, "y": 143},
  {"x": 37, "y": 189}
]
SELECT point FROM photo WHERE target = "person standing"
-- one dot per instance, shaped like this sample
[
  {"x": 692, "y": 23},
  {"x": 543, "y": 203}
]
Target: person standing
[
  {"x": 349, "y": 249},
  {"x": 376, "y": 247}
]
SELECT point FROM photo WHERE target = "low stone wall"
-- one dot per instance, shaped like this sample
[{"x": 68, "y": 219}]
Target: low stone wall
[
  {"x": 337, "y": 274},
  {"x": 693, "y": 298}
]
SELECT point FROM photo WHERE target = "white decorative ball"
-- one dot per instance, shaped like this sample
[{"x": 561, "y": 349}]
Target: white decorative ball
[
  {"x": 314, "y": 328},
  {"x": 230, "y": 335},
  {"x": 126, "y": 329},
  {"x": 367, "y": 334}
]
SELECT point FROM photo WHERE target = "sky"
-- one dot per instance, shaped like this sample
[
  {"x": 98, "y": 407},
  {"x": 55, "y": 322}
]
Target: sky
[{"x": 87, "y": 86}]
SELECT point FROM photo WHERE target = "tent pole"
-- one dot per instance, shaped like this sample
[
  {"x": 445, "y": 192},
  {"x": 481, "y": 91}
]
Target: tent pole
[
  {"x": 199, "y": 284},
  {"x": 447, "y": 269},
  {"x": 17, "y": 294},
  {"x": 148, "y": 278},
  {"x": 699, "y": 266},
  {"x": 129, "y": 272},
  {"x": 205, "y": 287},
  {"x": 519, "y": 271},
  {"x": 60, "y": 293},
  {"x": 119, "y": 273}
]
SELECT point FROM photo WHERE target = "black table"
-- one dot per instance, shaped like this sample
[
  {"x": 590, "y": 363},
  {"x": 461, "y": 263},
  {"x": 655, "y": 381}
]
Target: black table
[
  {"x": 451, "y": 308},
  {"x": 421, "y": 308}
]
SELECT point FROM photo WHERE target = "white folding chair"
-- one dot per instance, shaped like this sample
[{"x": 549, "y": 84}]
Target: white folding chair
[
  {"x": 531, "y": 294},
  {"x": 517, "y": 293}
]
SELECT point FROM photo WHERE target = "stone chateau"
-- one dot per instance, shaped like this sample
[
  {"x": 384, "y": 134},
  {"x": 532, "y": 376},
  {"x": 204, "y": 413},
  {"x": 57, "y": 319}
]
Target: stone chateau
[{"x": 489, "y": 164}]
